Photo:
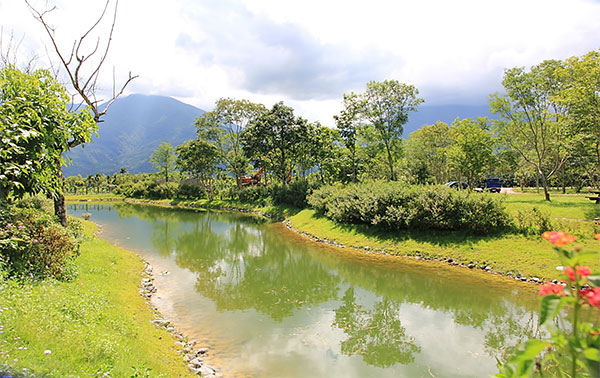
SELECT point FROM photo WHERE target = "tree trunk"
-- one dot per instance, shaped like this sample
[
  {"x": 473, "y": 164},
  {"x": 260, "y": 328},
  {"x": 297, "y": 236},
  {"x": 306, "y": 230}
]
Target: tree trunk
[
  {"x": 390, "y": 162},
  {"x": 545, "y": 185},
  {"x": 60, "y": 207}
]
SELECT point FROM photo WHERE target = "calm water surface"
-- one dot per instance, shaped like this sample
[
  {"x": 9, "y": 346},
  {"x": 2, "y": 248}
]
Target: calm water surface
[{"x": 268, "y": 303}]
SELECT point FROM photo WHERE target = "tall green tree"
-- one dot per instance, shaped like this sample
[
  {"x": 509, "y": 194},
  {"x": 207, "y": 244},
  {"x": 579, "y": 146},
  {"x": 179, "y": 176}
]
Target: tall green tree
[
  {"x": 426, "y": 153},
  {"x": 348, "y": 124},
  {"x": 199, "y": 159},
  {"x": 274, "y": 138},
  {"x": 36, "y": 128},
  {"x": 222, "y": 127},
  {"x": 531, "y": 122},
  {"x": 163, "y": 159},
  {"x": 580, "y": 93},
  {"x": 385, "y": 106},
  {"x": 471, "y": 149}
]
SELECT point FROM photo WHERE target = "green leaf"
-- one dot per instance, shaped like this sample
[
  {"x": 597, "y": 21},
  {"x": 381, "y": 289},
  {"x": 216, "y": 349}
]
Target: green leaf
[
  {"x": 551, "y": 305},
  {"x": 531, "y": 349},
  {"x": 592, "y": 354}
]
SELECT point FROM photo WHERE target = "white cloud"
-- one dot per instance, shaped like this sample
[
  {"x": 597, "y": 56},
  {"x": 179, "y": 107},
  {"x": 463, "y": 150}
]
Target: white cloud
[{"x": 308, "y": 53}]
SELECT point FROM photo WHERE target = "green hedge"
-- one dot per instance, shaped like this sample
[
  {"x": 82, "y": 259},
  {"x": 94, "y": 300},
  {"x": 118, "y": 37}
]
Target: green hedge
[{"x": 397, "y": 206}]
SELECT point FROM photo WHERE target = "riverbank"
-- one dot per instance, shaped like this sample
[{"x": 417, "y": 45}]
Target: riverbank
[
  {"x": 519, "y": 257},
  {"x": 89, "y": 326}
]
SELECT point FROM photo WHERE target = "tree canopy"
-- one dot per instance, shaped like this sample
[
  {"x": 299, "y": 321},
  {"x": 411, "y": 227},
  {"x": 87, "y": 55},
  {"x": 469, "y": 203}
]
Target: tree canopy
[{"x": 36, "y": 127}]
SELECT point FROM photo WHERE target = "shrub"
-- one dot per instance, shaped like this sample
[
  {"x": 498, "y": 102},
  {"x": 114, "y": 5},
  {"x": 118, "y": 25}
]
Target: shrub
[
  {"x": 532, "y": 222},
  {"x": 34, "y": 244},
  {"x": 162, "y": 191},
  {"x": 256, "y": 194},
  {"x": 397, "y": 206},
  {"x": 295, "y": 194},
  {"x": 191, "y": 191}
]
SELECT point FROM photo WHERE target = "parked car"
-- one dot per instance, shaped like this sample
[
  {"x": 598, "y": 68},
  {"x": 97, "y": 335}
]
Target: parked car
[
  {"x": 457, "y": 185},
  {"x": 492, "y": 184}
]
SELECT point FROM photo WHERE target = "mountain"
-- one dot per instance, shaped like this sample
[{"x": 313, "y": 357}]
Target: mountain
[
  {"x": 428, "y": 115},
  {"x": 131, "y": 130}
]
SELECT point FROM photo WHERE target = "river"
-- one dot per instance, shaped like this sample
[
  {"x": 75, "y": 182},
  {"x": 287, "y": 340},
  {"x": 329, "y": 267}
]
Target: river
[{"x": 269, "y": 303}]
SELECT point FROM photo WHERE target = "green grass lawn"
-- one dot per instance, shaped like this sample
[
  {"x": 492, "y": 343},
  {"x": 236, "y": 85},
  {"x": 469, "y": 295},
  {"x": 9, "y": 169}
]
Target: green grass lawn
[
  {"x": 95, "y": 324},
  {"x": 570, "y": 206}
]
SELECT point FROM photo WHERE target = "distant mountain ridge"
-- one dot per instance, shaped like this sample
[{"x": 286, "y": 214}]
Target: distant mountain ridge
[
  {"x": 131, "y": 130},
  {"x": 135, "y": 125}
]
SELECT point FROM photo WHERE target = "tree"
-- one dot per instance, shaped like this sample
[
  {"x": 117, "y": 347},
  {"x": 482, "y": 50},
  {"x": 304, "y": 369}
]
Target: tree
[
  {"x": 471, "y": 149},
  {"x": 82, "y": 66},
  {"x": 163, "y": 159},
  {"x": 385, "y": 105},
  {"x": 426, "y": 152},
  {"x": 348, "y": 124},
  {"x": 199, "y": 159},
  {"x": 35, "y": 129},
  {"x": 273, "y": 139},
  {"x": 532, "y": 123},
  {"x": 581, "y": 95},
  {"x": 223, "y": 127}
]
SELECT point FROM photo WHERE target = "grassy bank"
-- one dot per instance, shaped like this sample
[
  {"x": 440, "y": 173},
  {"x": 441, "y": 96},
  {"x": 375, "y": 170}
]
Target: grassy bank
[{"x": 94, "y": 325}]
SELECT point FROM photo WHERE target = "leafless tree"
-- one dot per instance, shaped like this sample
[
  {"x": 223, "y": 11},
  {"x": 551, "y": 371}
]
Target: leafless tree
[{"x": 83, "y": 72}]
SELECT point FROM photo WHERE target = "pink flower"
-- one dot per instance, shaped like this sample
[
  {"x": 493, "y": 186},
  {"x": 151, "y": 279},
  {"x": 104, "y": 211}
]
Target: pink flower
[
  {"x": 593, "y": 296},
  {"x": 550, "y": 288},
  {"x": 558, "y": 238},
  {"x": 8, "y": 225},
  {"x": 580, "y": 271},
  {"x": 21, "y": 227},
  {"x": 35, "y": 240}
]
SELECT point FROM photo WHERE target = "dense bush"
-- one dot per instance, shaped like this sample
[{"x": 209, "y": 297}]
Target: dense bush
[
  {"x": 295, "y": 194},
  {"x": 398, "y": 206},
  {"x": 256, "y": 194},
  {"x": 162, "y": 190},
  {"x": 191, "y": 191},
  {"x": 33, "y": 244}
]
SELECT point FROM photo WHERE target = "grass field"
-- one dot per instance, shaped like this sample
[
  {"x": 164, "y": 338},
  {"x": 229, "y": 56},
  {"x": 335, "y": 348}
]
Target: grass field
[
  {"x": 95, "y": 325},
  {"x": 570, "y": 206}
]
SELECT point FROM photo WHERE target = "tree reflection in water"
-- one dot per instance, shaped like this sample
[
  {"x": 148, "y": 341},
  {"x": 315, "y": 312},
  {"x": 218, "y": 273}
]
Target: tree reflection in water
[
  {"x": 241, "y": 263},
  {"x": 377, "y": 335}
]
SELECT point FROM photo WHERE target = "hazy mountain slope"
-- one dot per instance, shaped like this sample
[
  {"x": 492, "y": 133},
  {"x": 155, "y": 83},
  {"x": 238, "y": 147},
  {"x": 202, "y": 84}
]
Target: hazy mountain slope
[{"x": 132, "y": 129}]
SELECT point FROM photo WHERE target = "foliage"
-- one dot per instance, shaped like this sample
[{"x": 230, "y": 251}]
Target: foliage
[
  {"x": 36, "y": 128},
  {"x": 295, "y": 194},
  {"x": 222, "y": 128},
  {"x": 384, "y": 106},
  {"x": 532, "y": 221},
  {"x": 426, "y": 153},
  {"x": 532, "y": 123},
  {"x": 579, "y": 340},
  {"x": 256, "y": 194},
  {"x": 470, "y": 152},
  {"x": 33, "y": 244},
  {"x": 191, "y": 191},
  {"x": 163, "y": 159},
  {"x": 163, "y": 190},
  {"x": 273, "y": 140},
  {"x": 398, "y": 206}
]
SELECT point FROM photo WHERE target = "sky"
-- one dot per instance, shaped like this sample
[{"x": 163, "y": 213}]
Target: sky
[{"x": 309, "y": 53}]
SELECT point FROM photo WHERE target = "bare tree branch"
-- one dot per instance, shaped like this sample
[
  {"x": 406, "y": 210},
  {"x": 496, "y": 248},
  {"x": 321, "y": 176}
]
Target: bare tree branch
[{"x": 84, "y": 82}]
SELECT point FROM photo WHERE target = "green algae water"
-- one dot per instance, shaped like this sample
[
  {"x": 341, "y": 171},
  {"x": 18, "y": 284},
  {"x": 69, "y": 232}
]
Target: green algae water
[{"x": 268, "y": 303}]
